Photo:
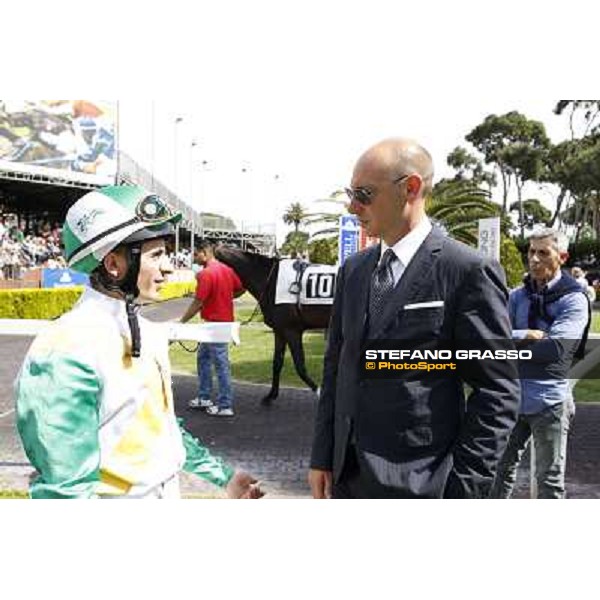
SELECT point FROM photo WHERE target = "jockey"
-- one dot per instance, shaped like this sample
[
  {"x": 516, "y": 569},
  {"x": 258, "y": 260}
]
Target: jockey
[{"x": 94, "y": 397}]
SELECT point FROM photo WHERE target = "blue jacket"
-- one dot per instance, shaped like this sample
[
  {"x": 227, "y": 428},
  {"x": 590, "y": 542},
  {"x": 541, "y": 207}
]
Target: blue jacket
[{"x": 544, "y": 381}]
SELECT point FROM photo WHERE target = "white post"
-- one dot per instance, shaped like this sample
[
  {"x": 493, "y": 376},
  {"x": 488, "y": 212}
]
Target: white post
[{"x": 532, "y": 474}]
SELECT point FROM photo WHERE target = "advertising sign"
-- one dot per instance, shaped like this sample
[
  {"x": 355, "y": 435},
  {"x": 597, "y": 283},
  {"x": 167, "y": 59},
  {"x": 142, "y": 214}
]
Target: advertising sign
[
  {"x": 489, "y": 237},
  {"x": 348, "y": 240},
  {"x": 70, "y": 139},
  {"x": 53, "y": 278}
]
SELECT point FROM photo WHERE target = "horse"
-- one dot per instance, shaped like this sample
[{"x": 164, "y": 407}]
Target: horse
[{"x": 258, "y": 274}]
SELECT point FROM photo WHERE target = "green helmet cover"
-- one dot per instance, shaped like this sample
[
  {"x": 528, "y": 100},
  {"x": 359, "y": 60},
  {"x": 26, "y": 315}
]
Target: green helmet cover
[{"x": 102, "y": 219}]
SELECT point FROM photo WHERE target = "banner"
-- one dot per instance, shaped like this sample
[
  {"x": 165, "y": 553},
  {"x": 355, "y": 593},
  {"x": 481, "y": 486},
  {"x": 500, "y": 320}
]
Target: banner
[
  {"x": 348, "y": 237},
  {"x": 489, "y": 237},
  {"x": 68, "y": 139}
]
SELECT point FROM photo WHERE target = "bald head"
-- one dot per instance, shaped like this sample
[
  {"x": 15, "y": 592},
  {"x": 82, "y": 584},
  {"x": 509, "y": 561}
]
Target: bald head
[{"x": 395, "y": 157}]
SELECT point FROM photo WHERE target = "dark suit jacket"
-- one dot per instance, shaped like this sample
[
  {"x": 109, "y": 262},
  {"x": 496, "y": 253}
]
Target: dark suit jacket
[{"x": 418, "y": 435}]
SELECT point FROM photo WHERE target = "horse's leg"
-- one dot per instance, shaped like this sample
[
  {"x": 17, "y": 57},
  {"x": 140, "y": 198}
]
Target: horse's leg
[
  {"x": 294, "y": 338},
  {"x": 278, "y": 355}
]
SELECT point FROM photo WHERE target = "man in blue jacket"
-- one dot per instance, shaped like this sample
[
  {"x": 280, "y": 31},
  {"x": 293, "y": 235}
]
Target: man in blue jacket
[{"x": 550, "y": 316}]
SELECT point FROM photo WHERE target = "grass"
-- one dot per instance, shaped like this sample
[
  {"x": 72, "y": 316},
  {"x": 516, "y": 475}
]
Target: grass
[
  {"x": 252, "y": 360},
  {"x": 588, "y": 389}
]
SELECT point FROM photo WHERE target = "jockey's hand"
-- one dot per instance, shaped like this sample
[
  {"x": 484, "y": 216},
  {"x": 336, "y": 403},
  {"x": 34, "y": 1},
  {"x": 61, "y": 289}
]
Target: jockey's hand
[
  {"x": 320, "y": 483},
  {"x": 243, "y": 486}
]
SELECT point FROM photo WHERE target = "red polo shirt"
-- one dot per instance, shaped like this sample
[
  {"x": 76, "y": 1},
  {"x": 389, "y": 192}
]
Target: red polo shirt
[{"x": 215, "y": 287}]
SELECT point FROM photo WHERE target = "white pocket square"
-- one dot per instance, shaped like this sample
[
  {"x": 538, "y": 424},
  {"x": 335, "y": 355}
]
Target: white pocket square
[{"x": 432, "y": 304}]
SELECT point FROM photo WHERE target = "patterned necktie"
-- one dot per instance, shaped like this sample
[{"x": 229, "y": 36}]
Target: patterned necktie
[{"x": 382, "y": 284}]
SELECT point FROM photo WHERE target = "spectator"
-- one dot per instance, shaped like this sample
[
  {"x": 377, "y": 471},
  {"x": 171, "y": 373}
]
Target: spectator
[
  {"x": 579, "y": 275},
  {"x": 550, "y": 316}
]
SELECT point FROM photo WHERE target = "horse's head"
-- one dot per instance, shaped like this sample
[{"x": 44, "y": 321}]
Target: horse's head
[{"x": 254, "y": 270}]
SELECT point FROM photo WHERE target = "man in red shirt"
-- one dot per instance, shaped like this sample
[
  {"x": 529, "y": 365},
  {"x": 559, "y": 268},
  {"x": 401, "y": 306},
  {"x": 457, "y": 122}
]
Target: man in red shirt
[{"x": 216, "y": 287}]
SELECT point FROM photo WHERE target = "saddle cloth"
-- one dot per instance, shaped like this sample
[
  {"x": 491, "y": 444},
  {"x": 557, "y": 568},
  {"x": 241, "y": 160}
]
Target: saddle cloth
[{"x": 316, "y": 284}]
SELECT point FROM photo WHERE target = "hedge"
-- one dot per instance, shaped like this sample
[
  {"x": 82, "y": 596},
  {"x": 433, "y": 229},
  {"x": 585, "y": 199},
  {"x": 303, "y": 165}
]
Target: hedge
[{"x": 51, "y": 303}]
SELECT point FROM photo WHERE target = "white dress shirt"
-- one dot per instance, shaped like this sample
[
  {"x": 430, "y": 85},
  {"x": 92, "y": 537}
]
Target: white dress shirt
[{"x": 406, "y": 248}]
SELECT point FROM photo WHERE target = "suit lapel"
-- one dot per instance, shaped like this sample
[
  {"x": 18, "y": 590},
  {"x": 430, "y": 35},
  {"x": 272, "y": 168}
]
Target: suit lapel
[{"x": 412, "y": 279}]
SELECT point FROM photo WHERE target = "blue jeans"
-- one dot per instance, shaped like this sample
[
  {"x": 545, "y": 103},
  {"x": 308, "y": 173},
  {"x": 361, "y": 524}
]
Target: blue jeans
[
  {"x": 217, "y": 354},
  {"x": 549, "y": 430}
]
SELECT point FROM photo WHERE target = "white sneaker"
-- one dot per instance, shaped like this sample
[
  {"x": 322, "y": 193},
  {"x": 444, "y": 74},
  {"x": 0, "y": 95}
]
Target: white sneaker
[
  {"x": 200, "y": 403},
  {"x": 215, "y": 411}
]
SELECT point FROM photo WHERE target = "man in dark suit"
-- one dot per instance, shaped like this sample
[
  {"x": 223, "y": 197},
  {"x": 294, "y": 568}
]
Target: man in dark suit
[{"x": 415, "y": 435}]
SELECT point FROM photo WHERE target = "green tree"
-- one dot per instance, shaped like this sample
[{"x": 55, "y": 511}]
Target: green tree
[
  {"x": 469, "y": 167},
  {"x": 573, "y": 165},
  {"x": 559, "y": 171},
  {"x": 296, "y": 242},
  {"x": 534, "y": 212},
  {"x": 294, "y": 215},
  {"x": 586, "y": 110},
  {"x": 462, "y": 161},
  {"x": 579, "y": 174},
  {"x": 515, "y": 146},
  {"x": 511, "y": 261},
  {"x": 323, "y": 251},
  {"x": 525, "y": 161}
]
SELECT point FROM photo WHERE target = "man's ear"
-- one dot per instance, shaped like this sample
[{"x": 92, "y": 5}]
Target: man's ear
[
  {"x": 114, "y": 263},
  {"x": 414, "y": 184},
  {"x": 564, "y": 256}
]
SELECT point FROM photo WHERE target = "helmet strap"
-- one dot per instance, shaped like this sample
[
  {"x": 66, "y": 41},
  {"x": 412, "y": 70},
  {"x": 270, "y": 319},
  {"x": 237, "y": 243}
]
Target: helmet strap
[
  {"x": 127, "y": 288},
  {"x": 131, "y": 308}
]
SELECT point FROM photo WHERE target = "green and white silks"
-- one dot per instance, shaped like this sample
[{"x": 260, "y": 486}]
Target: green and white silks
[{"x": 94, "y": 422}]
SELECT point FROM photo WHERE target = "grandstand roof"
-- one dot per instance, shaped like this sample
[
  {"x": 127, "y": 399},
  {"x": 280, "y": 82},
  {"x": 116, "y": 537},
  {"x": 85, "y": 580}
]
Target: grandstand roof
[{"x": 31, "y": 197}]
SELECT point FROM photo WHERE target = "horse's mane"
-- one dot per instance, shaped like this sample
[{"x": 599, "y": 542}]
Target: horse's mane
[{"x": 252, "y": 268}]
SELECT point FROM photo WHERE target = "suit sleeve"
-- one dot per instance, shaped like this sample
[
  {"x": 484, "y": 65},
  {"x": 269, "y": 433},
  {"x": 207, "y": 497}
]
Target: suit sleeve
[
  {"x": 482, "y": 321},
  {"x": 323, "y": 441}
]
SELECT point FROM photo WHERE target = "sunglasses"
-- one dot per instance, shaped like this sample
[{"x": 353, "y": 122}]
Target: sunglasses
[
  {"x": 365, "y": 195},
  {"x": 152, "y": 209}
]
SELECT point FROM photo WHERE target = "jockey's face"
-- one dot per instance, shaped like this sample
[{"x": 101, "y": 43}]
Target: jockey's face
[{"x": 154, "y": 267}]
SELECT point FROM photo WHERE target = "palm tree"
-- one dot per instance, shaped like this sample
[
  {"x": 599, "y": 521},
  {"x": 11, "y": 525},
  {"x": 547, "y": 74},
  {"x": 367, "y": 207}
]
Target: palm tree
[
  {"x": 294, "y": 215},
  {"x": 329, "y": 219},
  {"x": 457, "y": 207}
]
